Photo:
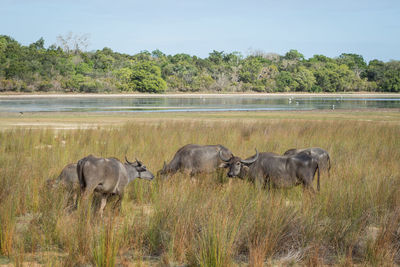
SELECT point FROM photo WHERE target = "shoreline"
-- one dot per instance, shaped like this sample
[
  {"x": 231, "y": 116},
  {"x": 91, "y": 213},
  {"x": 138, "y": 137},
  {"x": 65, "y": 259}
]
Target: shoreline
[
  {"x": 192, "y": 95},
  {"x": 83, "y": 120}
]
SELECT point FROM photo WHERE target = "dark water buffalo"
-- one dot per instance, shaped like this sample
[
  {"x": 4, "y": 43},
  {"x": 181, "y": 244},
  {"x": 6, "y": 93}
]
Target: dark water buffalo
[
  {"x": 321, "y": 155},
  {"x": 194, "y": 159},
  {"x": 280, "y": 171},
  {"x": 108, "y": 176},
  {"x": 237, "y": 166}
]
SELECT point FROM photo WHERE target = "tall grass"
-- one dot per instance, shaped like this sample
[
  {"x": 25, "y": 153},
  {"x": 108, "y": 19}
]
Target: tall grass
[
  {"x": 7, "y": 227},
  {"x": 105, "y": 246},
  {"x": 208, "y": 220}
]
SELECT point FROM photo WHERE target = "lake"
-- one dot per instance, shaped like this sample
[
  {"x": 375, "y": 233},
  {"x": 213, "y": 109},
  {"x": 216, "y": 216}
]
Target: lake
[{"x": 130, "y": 103}]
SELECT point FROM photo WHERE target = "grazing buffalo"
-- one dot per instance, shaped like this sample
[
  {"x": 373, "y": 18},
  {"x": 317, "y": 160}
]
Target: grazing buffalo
[
  {"x": 108, "y": 176},
  {"x": 281, "y": 171},
  {"x": 321, "y": 155},
  {"x": 68, "y": 178},
  {"x": 195, "y": 159}
]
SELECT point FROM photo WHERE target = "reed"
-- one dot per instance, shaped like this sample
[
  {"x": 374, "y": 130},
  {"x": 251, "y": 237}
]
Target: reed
[
  {"x": 209, "y": 220},
  {"x": 105, "y": 246}
]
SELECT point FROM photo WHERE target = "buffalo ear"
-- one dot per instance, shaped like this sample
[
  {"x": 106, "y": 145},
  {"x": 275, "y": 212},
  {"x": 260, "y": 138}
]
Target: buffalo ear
[
  {"x": 245, "y": 168},
  {"x": 164, "y": 166},
  {"x": 223, "y": 165},
  {"x": 138, "y": 162}
]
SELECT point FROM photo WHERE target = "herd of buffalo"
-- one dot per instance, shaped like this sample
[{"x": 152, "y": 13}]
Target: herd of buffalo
[{"x": 109, "y": 177}]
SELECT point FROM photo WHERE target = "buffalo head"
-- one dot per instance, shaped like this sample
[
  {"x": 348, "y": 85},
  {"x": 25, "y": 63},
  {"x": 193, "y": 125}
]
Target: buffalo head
[
  {"x": 140, "y": 169},
  {"x": 236, "y": 164},
  {"x": 163, "y": 173}
]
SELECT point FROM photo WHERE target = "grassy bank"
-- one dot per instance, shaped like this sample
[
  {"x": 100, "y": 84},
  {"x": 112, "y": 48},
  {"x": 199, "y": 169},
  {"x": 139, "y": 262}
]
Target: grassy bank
[
  {"x": 82, "y": 120},
  {"x": 210, "y": 220}
]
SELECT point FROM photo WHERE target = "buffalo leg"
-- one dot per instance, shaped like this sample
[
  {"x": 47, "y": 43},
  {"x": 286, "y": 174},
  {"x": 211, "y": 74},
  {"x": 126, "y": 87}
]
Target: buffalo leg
[
  {"x": 259, "y": 182},
  {"x": 73, "y": 201},
  {"x": 102, "y": 205},
  {"x": 309, "y": 188},
  {"x": 118, "y": 203},
  {"x": 85, "y": 193}
]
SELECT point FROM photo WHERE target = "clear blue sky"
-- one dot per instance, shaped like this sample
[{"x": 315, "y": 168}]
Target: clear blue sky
[{"x": 368, "y": 28}]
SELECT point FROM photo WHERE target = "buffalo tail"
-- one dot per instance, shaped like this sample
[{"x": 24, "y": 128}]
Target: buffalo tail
[
  {"x": 329, "y": 167},
  {"x": 79, "y": 169}
]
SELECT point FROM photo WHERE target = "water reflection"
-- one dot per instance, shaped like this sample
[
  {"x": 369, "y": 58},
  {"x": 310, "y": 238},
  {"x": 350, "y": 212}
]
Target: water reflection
[{"x": 165, "y": 104}]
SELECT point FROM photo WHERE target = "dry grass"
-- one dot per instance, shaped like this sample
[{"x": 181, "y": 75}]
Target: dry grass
[{"x": 208, "y": 221}]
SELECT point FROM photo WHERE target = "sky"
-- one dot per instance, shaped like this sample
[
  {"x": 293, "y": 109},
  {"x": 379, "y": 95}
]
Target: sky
[{"x": 324, "y": 27}]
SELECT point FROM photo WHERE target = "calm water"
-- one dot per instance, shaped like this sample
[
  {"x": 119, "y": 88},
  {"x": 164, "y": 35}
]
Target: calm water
[{"x": 196, "y": 103}]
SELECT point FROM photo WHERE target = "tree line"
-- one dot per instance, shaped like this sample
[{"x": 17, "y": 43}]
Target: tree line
[{"x": 67, "y": 68}]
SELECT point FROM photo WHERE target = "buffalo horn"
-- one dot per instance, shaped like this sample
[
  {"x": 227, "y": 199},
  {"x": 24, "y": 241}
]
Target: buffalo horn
[
  {"x": 222, "y": 157},
  {"x": 250, "y": 160},
  {"x": 128, "y": 160}
]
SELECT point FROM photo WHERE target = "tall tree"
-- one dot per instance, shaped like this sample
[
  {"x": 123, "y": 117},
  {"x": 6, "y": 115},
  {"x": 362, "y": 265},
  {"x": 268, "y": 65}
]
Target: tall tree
[{"x": 146, "y": 77}]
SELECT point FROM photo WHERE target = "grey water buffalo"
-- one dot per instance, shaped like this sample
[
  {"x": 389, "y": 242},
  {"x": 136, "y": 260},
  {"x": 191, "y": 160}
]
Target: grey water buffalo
[
  {"x": 237, "y": 166},
  {"x": 108, "y": 176},
  {"x": 321, "y": 155},
  {"x": 68, "y": 179},
  {"x": 280, "y": 171},
  {"x": 194, "y": 159}
]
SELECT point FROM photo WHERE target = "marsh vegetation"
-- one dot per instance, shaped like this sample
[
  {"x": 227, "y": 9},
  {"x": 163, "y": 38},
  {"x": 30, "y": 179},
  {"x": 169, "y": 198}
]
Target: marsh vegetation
[{"x": 209, "y": 220}]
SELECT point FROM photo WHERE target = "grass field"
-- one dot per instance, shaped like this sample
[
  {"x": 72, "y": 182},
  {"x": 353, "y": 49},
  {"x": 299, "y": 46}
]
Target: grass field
[{"x": 209, "y": 220}]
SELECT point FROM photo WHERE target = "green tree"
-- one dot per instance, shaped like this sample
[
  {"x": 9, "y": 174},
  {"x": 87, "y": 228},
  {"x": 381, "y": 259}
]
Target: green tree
[
  {"x": 375, "y": 70},
  {"x": 294, "y": 55},
  {"x": 216, "y": 57},
  {"x": 304, "y": 79},
  {"x": 38, "y": 45},
  {"x": 124, "y": 77},
  {"x": 250, "y": 70},
  {"x": 146, "y": 77},
  {"x": 391, "y": 78},
  {"x": 355, "y": 62},
  {"x": 285, "y": 82},
  {"x": 103, "y": 59},
  {"x": 332, "y": 77}
]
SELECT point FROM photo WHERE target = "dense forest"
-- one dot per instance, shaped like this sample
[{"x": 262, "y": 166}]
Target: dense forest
[{"x": 67, "y": 67}]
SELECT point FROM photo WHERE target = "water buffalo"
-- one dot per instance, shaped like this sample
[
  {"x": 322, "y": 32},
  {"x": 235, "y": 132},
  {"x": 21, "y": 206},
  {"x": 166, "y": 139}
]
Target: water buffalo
[
  {"x": 281, "y": 171},
  {"x": 237, "y": 166},
  {"x": 194, "y": 159},
  {"x": 108, "y": 176},
  {"x": 321, "y": 155},
  {"x": 68, "y": 178}
]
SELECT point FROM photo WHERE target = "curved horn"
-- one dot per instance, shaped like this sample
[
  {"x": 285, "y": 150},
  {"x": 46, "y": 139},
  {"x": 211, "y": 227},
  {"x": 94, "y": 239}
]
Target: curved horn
[
  {"x": 250, "y": 160},
  {"x": 222, "y": 157},
  {"x": 128, "y": 160}
]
